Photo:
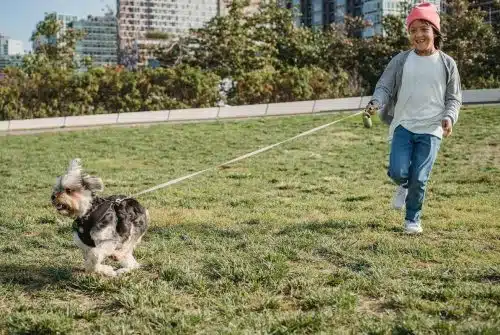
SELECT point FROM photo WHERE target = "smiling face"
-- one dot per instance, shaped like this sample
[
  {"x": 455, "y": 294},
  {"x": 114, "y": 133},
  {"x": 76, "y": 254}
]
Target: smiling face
[{"x": 422, "y": 37}]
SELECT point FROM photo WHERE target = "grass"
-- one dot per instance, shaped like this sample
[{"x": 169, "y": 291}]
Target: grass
[{"x": 300, "y": 239}]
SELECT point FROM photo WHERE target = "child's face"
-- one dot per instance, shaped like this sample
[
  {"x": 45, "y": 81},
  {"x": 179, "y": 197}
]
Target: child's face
[{"x": 422, "y": 36}]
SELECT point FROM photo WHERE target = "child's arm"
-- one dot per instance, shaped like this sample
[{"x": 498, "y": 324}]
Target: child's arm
[
  {"x": 453, "y": 96},
  {"x": 385, "y": 87}
]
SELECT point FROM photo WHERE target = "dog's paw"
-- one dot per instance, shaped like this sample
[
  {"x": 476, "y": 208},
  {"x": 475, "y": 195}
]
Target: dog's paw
[
  {"x": 122, "y": 271},
  {"x": 107, "y": 270}
]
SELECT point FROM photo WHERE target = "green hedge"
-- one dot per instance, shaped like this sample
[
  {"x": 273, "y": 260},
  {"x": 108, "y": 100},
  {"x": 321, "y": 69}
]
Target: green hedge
[
  {"x": 59, "y": 92},
  {"x": 56, "y": 92},
  {"x": 291, "y": 84}
]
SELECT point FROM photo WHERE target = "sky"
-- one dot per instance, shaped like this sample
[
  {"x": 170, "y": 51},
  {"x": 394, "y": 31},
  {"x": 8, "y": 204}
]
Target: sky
[{"x": 18, "y": 18}]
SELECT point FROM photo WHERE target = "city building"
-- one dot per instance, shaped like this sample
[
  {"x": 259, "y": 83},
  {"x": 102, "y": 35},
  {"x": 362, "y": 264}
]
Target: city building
[
  {"x": 375, "y": 10},
  {"x": 322, "y": 13},
  {"x": 10, "y": 47},
  {"x": 11, "y": 52},
  {"x": 319, "y": 14},
  {"x": 146, "y": 24},
  {"x": 343, "y": 8},
  {"x": 11, "y": 61},
  {"x": 100, "y": 41}
]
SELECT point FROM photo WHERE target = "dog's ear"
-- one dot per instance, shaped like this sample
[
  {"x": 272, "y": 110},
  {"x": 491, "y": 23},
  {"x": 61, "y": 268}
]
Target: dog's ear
[
  {"x": 57, "y": 183},
  {"x": 92, "y": 183}
]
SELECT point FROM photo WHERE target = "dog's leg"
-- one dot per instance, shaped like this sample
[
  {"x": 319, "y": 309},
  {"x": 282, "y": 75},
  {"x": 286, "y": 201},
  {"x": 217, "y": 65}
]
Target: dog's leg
[
  {"x": 96, "y": 256},
  {"x": 126, "y": 256},
  {"x": 128, "y": 263},
  {"x": 127, "y": 259},
  {"x": 85, "y": 253},
  {"x": 83, "y": 248}
]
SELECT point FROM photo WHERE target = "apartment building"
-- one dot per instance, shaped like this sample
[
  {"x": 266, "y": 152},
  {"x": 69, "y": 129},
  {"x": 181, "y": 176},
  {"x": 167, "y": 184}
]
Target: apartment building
[
  {"x": 318, "y": 14},
  {"x": 100, "y": 41},
  {"x": 321, "y": 13},
  {"x": 145, "y": 24},
  {"x": 10, "y": 47},
  {"x": 375, "y": 10},
  {"x": 11, "y": 52}
]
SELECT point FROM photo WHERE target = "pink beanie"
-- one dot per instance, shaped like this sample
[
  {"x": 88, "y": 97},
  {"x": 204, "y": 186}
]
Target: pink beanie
[{"x": 424, "y": 11}]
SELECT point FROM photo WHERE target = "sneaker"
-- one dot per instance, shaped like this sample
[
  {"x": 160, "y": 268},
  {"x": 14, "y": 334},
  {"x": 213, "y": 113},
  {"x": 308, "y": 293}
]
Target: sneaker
[
  {"x": 413, "y": 227},
  {"x": 399, "y": 199}
]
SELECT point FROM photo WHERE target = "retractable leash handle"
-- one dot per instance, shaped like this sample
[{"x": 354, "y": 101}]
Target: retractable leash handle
[
  {"x": 370, "y": 110},
  {"x": 367, "y": 121}
]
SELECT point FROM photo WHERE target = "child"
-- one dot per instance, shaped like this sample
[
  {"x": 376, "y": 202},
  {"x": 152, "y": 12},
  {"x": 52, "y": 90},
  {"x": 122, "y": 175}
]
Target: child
[{"x": 419, "y": 96}]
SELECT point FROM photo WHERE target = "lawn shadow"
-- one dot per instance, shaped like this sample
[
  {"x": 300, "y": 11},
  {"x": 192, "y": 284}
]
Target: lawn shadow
[
  {"x": 34, "y": 277},
  {"x": 183, "y": 231},
  {"x": 329, "y": 227},
  {"x": 321, "y": 227}
]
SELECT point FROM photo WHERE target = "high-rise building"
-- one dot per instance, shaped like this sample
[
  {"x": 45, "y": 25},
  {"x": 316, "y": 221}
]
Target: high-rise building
[
  {"x": 13, "y": 61},
  {"x": 10, "y": 47},
  {"x": 11, "y": 51},
  {"x": 321, "y": 13},
  {"x": 144, "y": 24},
  {"x": 344, "y": 8},
  {"x": 100, "y": 41},
  {"x": 375, "y": 10}
]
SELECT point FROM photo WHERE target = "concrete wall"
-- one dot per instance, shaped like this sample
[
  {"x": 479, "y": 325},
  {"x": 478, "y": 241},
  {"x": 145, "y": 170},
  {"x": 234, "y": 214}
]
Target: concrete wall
[{"x": 470, "y": 97}]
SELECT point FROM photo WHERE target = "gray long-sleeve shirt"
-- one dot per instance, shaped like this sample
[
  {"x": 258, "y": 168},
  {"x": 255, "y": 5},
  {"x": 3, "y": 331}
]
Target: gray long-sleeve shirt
[{"x": 388, "y": 87}]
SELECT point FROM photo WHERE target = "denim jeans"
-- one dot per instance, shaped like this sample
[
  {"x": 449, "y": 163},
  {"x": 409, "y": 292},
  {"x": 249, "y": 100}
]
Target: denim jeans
[{"x": 410, "y": 164}]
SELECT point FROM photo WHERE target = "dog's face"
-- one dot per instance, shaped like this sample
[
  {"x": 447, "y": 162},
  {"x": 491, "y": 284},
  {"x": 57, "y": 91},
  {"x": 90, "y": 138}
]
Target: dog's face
[{"x": 73, "y": 192}]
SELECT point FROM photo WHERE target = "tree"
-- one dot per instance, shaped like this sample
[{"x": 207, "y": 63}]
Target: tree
[
  {"x": 473, "y": 44},
  {"x": 228, "y": 44},
  {"x": 129, "y": 56},
  {"x": 374, "y": 54},
  {"x": 53, "y": 45}
]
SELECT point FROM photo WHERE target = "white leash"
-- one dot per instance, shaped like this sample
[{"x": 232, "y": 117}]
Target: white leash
[{"x": 175, "y": 181}]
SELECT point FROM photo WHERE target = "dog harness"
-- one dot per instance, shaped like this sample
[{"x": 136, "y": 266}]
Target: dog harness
[{"x": 84, "y": 225}]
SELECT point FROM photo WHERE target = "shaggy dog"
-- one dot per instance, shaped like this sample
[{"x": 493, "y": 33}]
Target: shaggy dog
[{"x": 104, "y": 226}]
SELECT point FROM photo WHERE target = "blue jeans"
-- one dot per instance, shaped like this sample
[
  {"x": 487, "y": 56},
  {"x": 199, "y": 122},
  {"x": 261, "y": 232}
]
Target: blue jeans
[{"x": 410, "y": 164}]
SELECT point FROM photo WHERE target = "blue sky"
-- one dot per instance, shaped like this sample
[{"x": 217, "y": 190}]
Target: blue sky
[{"x": 18, "y": 18}]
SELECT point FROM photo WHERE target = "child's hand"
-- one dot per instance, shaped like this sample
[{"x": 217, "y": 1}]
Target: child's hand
[
  {"x": 447, "y": 127},
  {"x": 371, "y": 108}
]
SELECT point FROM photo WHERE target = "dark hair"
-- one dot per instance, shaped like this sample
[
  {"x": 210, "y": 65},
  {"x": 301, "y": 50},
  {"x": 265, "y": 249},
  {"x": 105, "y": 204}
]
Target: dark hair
[{"x": 438, "y": 38}]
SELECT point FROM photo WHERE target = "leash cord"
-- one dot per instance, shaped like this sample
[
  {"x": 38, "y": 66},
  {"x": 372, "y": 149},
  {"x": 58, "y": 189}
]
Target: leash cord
[{"x": 253, "y": 153}]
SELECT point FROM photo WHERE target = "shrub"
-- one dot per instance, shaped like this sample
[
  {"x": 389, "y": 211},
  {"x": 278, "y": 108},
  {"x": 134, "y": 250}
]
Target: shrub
[{"x": 290, "y": 84}]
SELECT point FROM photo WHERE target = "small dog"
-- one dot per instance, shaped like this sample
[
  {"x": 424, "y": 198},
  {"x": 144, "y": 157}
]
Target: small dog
[{"x": 104, "y": 226}]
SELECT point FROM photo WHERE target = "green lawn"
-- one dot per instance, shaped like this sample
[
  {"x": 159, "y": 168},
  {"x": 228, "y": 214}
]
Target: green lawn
[{"x": 300, "y": 239}]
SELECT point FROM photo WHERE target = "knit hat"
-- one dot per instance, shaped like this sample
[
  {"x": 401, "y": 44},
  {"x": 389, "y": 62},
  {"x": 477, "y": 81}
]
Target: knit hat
[{"x": 424, "y": 11}]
